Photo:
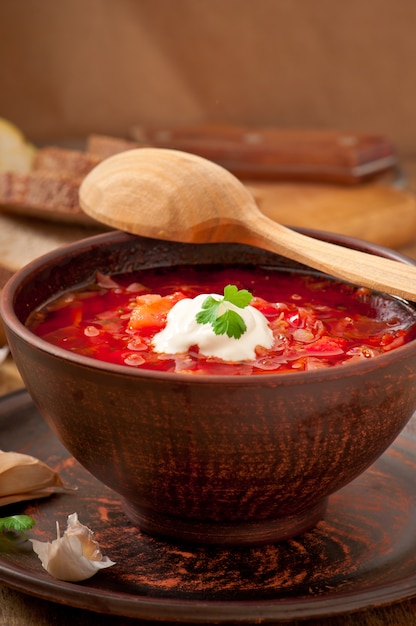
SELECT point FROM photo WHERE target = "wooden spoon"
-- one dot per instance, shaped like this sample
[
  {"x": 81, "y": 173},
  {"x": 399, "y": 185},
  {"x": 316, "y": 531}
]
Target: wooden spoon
[{"x": 176, "y": 196}]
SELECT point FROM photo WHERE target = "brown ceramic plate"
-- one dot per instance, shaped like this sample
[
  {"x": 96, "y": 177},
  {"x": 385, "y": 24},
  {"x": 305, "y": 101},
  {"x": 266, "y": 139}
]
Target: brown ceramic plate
[{"x": 363, "y": 554}]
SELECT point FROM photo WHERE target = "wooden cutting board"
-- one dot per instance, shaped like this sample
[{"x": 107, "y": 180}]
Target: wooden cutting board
[{"x": 378, "y": 213}]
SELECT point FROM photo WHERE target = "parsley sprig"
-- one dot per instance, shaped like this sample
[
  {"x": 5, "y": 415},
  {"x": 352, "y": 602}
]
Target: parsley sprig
[
  {"x": 225, "y": 321},
  {"x": 19, "y": 523}
]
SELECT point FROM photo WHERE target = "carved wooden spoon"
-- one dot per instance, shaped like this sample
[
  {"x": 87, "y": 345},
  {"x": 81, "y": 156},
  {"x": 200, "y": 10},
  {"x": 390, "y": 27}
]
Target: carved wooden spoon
[{"x": 176, "y": 196}]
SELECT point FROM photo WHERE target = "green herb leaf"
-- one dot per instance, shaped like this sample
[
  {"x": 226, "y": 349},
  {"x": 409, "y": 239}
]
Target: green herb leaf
[
  {"x": 20, "y": 523},
  {"x": 231, "y": 324},
  {"x": 209, "y": 312},
  {"x": 225, "y": 321},
  {"x": 240, "y": 298}
]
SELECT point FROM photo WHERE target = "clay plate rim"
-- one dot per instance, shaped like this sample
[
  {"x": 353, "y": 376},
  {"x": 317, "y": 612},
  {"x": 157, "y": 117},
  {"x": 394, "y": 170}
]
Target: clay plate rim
[{"x": 21, "y": 428}]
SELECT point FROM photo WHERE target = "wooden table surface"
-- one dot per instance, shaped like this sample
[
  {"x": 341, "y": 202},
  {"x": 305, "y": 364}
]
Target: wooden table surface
[{"x": 18, "y": 609}]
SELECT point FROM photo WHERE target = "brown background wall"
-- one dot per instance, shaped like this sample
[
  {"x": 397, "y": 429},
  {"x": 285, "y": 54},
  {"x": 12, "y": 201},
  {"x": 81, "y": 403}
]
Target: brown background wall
[{"x": 70, "y": 67}]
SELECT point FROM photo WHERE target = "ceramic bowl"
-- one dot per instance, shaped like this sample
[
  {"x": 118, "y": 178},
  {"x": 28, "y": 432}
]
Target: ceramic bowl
[{"x": 224, "y": 460}]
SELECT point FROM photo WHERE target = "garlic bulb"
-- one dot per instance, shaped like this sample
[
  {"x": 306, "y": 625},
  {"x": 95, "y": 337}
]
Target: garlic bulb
[
  {"x": 24, "y": 477},
  {"x": 73, "y": 557}
]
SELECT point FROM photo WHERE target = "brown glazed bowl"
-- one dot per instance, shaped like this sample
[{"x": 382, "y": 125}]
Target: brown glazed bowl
[{"x": 225, "y": 460}]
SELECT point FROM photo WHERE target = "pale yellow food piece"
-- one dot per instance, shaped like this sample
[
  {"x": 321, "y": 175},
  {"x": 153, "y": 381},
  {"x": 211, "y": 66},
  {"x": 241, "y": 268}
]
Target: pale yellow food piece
[{"x": 16, "y": 154}]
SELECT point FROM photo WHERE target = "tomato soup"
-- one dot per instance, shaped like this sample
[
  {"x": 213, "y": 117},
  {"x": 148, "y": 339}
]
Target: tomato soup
[{"x": 314, "y": 321}]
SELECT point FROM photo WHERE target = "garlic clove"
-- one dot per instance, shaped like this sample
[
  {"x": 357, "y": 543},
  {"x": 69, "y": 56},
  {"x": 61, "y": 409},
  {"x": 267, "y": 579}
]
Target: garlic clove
[
  {"x": 21, "y": 497},
  {"x": 73, "y": 557},
  {"x": 23, "y": 477}
]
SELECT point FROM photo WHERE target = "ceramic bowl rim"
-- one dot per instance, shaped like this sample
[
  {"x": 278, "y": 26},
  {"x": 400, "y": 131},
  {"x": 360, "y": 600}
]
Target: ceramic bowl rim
[{"x": 13, "y": 324}]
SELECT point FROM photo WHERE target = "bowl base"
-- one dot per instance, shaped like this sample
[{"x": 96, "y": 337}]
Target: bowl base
[{"x": 227, "y": 534}]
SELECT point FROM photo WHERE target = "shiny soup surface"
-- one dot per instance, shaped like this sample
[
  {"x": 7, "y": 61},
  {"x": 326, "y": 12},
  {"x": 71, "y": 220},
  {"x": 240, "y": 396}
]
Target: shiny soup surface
[{"x": 316, "y": 322}]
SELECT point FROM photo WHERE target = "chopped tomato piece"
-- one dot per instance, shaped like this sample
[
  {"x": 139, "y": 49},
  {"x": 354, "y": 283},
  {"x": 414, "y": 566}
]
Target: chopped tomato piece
[
  {"x": 151, "y": 310},
  {"x": 267, "y": 308},
  {"x": 392, "y": 341},
  {"x": 76, "y": 315},
  {"x": 327, "y": 346}
]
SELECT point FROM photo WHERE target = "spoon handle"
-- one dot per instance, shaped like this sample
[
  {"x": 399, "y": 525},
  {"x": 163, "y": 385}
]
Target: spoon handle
[{"x": 357, "y": 267}]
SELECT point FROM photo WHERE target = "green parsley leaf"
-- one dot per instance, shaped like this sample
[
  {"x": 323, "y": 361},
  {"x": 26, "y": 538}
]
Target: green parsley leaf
[
  {"x": 225, "y": 321},
  {"x": 230, "y": 323},
  {"x": 20, "y": 523},
  {"x": 209, "y": 312},
  {"x": 240, "y": 298}
]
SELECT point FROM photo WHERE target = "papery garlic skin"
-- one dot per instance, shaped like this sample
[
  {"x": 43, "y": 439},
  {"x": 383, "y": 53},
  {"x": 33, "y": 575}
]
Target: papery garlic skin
[
  {"x": 75, "y": 556},
  {"x": 24, "y": 477}
]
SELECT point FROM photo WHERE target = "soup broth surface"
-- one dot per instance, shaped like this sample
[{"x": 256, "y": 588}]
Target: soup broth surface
[{"x": 316, "y": 322}]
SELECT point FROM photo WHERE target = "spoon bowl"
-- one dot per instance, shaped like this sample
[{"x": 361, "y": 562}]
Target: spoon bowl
[
  {"x": 167, "y": 194},
  {"x": 177, "y": 196}
]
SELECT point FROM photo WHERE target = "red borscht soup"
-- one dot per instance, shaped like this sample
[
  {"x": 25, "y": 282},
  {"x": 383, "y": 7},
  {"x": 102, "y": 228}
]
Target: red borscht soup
[{"x": 316, "y": 322}]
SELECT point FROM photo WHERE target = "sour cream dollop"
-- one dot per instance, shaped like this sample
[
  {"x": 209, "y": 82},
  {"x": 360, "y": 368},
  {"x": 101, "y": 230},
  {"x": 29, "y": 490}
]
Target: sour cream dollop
[{"x": 183, "y": 331}]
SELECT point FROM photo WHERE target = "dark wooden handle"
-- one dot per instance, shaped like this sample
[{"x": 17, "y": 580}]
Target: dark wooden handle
[{"x": 275, "y": 154}]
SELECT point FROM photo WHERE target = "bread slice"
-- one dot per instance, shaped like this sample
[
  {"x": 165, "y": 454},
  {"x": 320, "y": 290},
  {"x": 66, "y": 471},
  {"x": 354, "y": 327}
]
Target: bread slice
[
  {"x": 10, "y": 379},
  {"x": 50, "y": 189},
  {"x": 46, "y": 194},
  {"x": 23, "y": 239},
  {"x": 71, "y": 163},
  {"x": 104, "y": 146},
  {"x": 5, "y": 274}
]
